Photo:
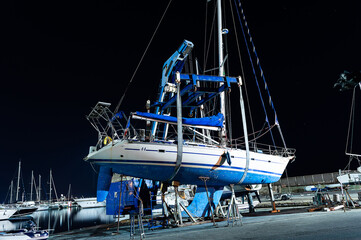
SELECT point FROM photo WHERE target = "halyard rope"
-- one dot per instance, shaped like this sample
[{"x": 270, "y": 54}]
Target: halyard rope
[{"x": 136, "y": 69}]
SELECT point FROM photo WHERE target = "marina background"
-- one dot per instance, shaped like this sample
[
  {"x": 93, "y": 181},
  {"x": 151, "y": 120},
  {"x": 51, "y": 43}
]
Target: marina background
[{"x": 59, "y": 59}]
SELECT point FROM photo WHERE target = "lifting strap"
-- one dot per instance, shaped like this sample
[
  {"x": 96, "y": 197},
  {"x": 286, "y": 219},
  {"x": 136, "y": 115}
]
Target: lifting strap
[{"x": 179, "y": 130}]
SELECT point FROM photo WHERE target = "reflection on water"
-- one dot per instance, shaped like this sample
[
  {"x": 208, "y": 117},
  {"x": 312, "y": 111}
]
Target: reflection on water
[{"x": 62, "y": 220}]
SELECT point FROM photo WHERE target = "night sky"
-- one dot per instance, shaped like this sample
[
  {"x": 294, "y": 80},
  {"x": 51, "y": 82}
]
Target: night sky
[{"x": 59, "y": 58}]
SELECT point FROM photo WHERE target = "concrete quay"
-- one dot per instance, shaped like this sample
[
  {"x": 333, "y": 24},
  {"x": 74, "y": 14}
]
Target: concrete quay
[{"x": 300, "y": 225}]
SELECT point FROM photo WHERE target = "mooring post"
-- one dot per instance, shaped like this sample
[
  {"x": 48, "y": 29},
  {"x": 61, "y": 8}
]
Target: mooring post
[{"x": 274, "y": 210}]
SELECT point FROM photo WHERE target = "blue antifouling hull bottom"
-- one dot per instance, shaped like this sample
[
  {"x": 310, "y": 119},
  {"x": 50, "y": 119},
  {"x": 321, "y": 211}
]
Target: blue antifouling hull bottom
[
  {"x": 199, "y": 207},
  {"x": 190, "y": 175}
]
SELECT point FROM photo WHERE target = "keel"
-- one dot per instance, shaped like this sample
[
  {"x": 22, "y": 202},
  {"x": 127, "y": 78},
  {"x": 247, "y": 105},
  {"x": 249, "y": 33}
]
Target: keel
[{"x": 104, "y": 180}]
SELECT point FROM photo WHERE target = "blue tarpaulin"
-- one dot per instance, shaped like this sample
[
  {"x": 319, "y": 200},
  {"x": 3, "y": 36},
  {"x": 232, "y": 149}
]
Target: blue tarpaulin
[{"x": 212, "y": 122}]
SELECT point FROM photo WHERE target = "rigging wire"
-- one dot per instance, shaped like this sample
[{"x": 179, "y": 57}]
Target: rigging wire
[
  {"x": 263, "y": 77},
  {"x": 251, "y": 61},
  {"x": 351, "y": 127},
  {"x": 242, "y": 70},
  {"x": 52, "y": 182},
  {"x": 261, "y": 73},
  {"x": 7, "y": 194},
  {"x": 22, "y": 182},
  {"x": 14, "y": 176},
  {"x": 136, "y": 69},
  {"x": 351, "y": 122},
  {"x": 205, "y": 37},
  {"x": 262, "y": 134},
  {"x": 207, "y": 106},
  {"x": 253, "y": 133},
  {"x": 209, "y": 41},
  {"x": 91, "y": 164},
  {"x": 229, "y": 115},
  {"x": 259, "y": 135},
  {"x": 348, "y": 166}
]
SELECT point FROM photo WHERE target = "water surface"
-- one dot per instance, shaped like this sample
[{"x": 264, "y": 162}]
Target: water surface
[{"x": 61, "y": 220}]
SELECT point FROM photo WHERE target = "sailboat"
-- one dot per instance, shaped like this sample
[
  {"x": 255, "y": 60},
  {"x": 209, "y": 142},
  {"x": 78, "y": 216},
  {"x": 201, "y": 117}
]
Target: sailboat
[
  {"x": 53, "y": 203},
  {"x": 6, "y": 213},
  {"x": 22, "y": 206},
  {"x": 196, "y": 149},
  {"x": 348, "y": 81}
]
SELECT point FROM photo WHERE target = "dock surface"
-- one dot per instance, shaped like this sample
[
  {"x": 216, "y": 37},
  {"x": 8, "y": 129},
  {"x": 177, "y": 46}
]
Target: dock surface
[{"x": 303, "y": 225}]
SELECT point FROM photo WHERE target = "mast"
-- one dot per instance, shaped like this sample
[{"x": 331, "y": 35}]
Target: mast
[
  {"x": 52, "y": 182},
  {"x": 18, "y": 184},
  {"x": 221, "y": 69},
  {"x": 50, "y": 189},
  {"x": 69, "y": 191},
  {"x": 39, "y": 190},
  {"x": 11, "y": 191},
  {"x": 31, "y": 185}
]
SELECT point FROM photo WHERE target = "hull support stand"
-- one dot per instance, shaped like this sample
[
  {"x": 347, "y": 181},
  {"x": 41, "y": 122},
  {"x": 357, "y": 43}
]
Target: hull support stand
[
  {"x": 204, "y": 179},
  {"x": 274, "y": 210},
  {"x": 177, "y": 213},
  {"x": 139, "y": 215},
  {"x": 233, "y": 213}
]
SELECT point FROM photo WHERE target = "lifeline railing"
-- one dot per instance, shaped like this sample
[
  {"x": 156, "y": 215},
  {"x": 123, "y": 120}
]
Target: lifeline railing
[
  {"x": 264, "y": 148},
  {"x": 110, "y": 127}
]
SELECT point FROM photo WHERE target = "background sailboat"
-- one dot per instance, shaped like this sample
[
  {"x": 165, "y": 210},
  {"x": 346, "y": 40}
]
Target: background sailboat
[{"x": 348, "y": 81}]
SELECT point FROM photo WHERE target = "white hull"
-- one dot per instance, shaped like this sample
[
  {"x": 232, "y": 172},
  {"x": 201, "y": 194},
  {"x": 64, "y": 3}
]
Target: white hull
[
  {"x": 43, "y": 207},
  {"x": 350, "y": 178},
  {"x": 196, "y": 161},
  {"x": 26, "y": 235},
  {"x": 6, "y": 213},
  {"x": 89, "y": 203}
]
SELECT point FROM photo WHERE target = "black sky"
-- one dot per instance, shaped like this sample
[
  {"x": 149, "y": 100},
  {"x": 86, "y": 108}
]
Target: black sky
[{"x": 58, "y": 58}]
